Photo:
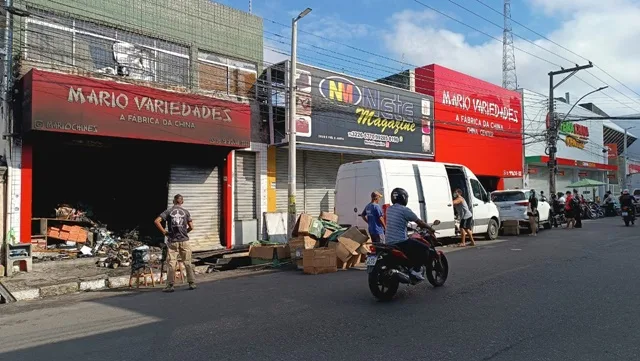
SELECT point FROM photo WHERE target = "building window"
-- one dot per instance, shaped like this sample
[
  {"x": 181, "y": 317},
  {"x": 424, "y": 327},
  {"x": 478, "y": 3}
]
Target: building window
[
  {"x": 228, "y": 76},
  {"x": 101, "y": 49}
]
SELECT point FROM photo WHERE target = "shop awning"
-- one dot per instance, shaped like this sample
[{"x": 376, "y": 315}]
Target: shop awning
[
  {"x": 586, "y": 183},
  {"x": 542, "y": 159}
]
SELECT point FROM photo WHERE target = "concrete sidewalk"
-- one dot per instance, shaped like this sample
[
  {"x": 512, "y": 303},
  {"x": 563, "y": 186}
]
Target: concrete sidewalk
[{"x": 56, "y": 278}]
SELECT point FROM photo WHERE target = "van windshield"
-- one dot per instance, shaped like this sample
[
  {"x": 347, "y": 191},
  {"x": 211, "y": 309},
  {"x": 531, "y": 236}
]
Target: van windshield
[
  {"x": 636, "y": 192},
  {"x": 508, "y": 196}
]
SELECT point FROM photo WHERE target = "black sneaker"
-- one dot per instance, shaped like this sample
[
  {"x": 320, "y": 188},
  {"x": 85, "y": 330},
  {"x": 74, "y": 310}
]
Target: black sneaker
[
  {"x": 169, "y": 289},
  {"x": 192, "y": 286}
]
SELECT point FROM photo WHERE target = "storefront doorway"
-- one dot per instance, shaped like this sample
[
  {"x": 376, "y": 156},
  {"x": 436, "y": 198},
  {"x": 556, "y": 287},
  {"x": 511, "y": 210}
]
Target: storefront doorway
[
  {"x": 124, "y": 184},
  {"x": 119, "y": 183}
]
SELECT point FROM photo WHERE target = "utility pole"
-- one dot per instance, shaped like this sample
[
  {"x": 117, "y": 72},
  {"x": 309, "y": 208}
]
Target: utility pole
[
  {"x": 292, "y": 211},
  {"x": 554, "y": 126},
  {"x": 625, "y": 183}
]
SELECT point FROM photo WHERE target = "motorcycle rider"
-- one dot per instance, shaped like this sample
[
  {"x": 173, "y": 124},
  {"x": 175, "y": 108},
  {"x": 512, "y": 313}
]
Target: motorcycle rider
[
  {"x": 543, "y": 198},
  {"x": 398, "y": 216},
  {"x": 609, "y": 204},
  {"x": 627, "y": 200}
]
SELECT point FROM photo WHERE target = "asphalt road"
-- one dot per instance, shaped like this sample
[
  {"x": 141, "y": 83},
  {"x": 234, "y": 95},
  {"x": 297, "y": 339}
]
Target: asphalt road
[{"x": 564, "y": 295}]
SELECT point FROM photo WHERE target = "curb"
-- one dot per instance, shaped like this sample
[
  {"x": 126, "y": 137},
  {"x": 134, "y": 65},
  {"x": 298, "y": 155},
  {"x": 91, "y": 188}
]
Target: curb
[{"x": 99, "y": 284}]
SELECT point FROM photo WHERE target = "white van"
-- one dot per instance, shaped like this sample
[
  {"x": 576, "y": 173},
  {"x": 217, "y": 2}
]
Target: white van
[{"x": 430, "y": 186}]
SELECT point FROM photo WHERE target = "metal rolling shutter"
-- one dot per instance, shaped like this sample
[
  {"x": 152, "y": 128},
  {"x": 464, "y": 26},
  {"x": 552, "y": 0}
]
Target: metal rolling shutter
[
  {"x": 348, "y": 158},
  {"x": 282, "y": 179},
  {"x": 540, "y": 180},
  {"x": 563, "y": 181},
  {"x": 321, "y": 171},
  {"x": 201, "y": 189},
  {"x": 245, "y": 186}
]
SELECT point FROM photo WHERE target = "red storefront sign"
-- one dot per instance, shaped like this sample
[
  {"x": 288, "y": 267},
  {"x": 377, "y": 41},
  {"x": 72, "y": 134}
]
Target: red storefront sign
[
  {"x": 477, "y": 124},
  {"x": 612, "y": 149},
  {"x": 634, "y": 168},
  {"x": 72, "y": 104},
  {"x": 532, "y": 171},
  {"x": 583, "y": 174},
  {"x": 561, "y": 173}
]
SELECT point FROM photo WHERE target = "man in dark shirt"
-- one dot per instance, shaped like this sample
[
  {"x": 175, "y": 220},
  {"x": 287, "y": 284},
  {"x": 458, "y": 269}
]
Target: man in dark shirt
[
  {"x": 179, "y": 224},
  {"x": 533, "y": 213}
]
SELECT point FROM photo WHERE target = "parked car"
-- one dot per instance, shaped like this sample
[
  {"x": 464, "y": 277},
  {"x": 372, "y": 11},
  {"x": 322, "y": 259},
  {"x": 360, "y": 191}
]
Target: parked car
[
  {"x": 513, "y": 205},
  {"x": 430, "y": 186}
]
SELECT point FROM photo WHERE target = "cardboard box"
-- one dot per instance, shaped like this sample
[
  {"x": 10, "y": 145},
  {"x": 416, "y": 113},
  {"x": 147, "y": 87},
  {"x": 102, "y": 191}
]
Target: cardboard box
[
  {"x": 364, "y": 249},
  {"x": 327, "y": 233},
  {"x": 355, "y": 235},
  {"x": 267, "y": 253},
  {"x": 308, "y": 226},
  {"x": 303, "y": 224},
  {"x": 299, "y": 244},
  {"x": 328, "y": 216},
  {"x": 511, "y": 231},
  {"x": 353, "y": 261},
  {"x": 319, "y": 260}
]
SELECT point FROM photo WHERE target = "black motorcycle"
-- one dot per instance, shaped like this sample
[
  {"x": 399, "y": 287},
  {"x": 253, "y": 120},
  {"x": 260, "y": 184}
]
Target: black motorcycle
[
  {"x": 628, "y": 216},
  {"x": 388, "y": 266}
]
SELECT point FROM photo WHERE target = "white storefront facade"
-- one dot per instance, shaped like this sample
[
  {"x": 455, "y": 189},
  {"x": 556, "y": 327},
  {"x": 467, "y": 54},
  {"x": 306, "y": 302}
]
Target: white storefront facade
[{"x": 581, "y": 152}]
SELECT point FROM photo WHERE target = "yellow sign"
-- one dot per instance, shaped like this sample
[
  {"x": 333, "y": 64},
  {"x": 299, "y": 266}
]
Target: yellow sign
[{"x": 366, "y": 117}]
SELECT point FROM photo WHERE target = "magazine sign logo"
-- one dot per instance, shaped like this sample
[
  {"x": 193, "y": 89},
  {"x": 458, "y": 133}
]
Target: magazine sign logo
[{"x": 339, "y": 89}]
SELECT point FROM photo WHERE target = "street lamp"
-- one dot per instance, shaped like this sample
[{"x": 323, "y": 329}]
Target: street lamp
[
  {"x": 292, "y": 212},
  {"x": 626, "y": 166},
  {"x": 584, "y": 96}
]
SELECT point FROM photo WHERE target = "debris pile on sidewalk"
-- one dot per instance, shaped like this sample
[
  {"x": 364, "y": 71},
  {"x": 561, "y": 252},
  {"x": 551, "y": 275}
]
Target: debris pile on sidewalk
[{"x": 319, "y": 245}]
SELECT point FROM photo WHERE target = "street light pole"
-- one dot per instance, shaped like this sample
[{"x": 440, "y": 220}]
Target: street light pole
[{"x": 292, "y": 211}]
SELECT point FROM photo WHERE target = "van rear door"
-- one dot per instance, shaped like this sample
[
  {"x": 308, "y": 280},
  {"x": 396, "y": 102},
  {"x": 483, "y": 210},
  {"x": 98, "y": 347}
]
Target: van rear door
[
  {"x": 354, "y": 185},
  {"x": 438, "y": 200}
]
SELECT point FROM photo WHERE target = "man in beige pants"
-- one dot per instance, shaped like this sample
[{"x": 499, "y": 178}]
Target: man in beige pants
[{"x": 179, "y": 224}]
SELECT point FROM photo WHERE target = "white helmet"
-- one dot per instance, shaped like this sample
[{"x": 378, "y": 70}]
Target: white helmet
[{"x": 626, "y": 191}]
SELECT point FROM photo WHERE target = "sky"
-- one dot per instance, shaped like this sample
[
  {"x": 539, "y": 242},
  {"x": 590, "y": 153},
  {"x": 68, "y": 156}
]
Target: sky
[{"x": 374, "y": 38}]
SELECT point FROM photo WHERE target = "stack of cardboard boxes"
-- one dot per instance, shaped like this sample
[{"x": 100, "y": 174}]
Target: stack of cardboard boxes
[
  {"x": 336, "y": 248},
  {"x": 67, "y": 233},
  {"x": 319, "y": 245}
]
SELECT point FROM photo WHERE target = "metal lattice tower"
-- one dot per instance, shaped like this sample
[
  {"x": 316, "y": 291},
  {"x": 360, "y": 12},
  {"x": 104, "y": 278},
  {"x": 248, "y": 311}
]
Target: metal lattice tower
[{"x": 509, "y": 77}]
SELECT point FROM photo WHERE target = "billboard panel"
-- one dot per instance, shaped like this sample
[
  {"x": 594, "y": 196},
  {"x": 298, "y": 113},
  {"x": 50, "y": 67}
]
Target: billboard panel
[
  {"x": 80, "y": 105},
  {"x": 338, "y": 110},
  {"x": 477, "y": 124}
]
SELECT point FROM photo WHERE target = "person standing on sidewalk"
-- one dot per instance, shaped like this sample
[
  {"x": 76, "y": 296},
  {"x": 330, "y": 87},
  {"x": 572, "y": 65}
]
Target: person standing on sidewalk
[
  {"x": 179, "y": 224},
  {"x": 532, "y": 212},
  {"x": 577, "y": 203},
  {"x": 569, "y": 210},
  {"x": 466, "y": 218},
  {"x": 373, "y": 215}
]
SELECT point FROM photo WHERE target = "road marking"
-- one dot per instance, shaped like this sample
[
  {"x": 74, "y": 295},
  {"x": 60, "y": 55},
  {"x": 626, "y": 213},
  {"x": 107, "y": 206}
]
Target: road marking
[{"x": 516, "y": 249}]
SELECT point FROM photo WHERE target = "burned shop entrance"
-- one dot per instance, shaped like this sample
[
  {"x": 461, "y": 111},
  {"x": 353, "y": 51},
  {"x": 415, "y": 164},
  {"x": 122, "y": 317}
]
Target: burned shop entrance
[{"x": 117, "y": 183}]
